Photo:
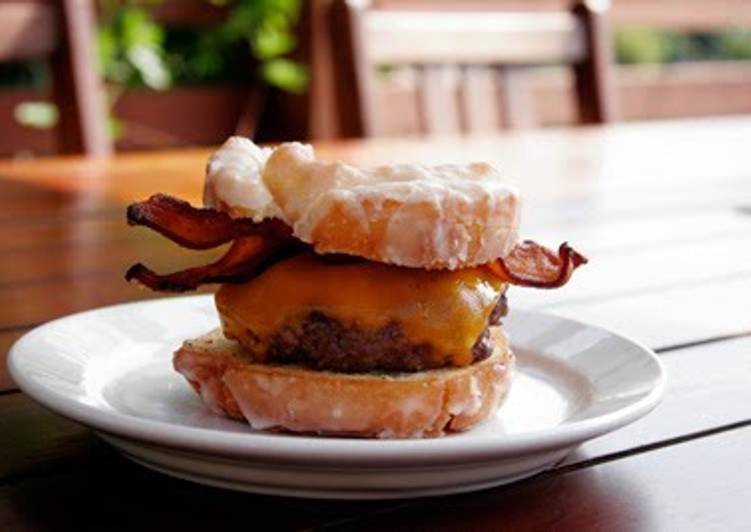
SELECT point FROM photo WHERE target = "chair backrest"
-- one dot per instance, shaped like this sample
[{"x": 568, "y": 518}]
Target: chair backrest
[
  {"x": 462, "y": 47},
  {"x": 61, "y": 31}
]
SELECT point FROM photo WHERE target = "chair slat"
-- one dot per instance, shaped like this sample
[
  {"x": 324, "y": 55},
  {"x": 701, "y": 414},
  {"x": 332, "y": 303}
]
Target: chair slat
[
  {"x": 441, "y": 41},
  {"x": 437, "y": 99},
  {"x": 476, "y": 37},
  {"x": 516, "y": 98},
  {"x": 478, "y": 103}
]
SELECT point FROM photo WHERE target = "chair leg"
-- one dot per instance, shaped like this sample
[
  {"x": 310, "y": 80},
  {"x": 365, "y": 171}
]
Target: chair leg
[
  {"x": 354, "y": 80},
  {"x": 595, "y": 76},
  {"x": 77, "y": 89}
]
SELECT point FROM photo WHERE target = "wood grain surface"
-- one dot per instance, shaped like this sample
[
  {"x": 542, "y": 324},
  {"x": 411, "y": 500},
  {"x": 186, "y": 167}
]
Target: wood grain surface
[{"x": 663, "y": 211}]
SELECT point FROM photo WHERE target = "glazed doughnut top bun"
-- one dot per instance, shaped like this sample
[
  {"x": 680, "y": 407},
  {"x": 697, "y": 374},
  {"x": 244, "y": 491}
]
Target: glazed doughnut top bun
[{"x": 448, "y": 216}]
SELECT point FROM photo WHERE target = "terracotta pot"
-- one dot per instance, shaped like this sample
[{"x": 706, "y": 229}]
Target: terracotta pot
[
  {"x": 17, "y": 140},
  {"x": 183, "y": 116}
]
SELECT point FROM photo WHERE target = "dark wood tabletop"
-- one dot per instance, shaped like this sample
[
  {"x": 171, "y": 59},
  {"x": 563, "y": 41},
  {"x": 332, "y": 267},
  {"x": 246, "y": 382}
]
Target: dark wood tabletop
[{"x": 663, "y": 211}]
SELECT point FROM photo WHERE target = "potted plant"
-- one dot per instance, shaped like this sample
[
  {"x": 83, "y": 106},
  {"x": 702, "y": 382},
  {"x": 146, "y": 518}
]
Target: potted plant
[{"x": 193, "y": 72}]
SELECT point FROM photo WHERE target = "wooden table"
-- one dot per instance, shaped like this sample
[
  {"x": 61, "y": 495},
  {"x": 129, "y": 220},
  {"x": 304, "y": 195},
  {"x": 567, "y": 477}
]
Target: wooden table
[{"x": 664, "y": 212}]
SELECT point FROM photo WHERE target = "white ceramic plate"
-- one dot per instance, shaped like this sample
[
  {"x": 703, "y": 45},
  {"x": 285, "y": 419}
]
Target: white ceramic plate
[{"x": 111, "y": 369}]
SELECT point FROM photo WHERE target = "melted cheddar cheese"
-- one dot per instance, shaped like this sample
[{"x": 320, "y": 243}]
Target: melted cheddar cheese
[{"x": 446, "y": 309}]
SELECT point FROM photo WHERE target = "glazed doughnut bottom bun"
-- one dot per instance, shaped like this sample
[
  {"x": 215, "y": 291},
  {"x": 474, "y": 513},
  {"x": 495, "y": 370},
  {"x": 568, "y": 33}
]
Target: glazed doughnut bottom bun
[{"x": 384, "y": 405}]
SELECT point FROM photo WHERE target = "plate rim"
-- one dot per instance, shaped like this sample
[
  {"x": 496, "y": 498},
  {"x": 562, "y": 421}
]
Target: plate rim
[{"x": 308, "y": 449}]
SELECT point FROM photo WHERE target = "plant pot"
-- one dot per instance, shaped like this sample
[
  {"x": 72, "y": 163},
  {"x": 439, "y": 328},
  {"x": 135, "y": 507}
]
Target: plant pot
[
  {"x": 17, "y": 140},
  {"x": 184, "y": 116}
]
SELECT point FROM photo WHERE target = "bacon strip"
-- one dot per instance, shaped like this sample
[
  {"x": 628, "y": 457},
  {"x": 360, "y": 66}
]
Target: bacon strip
[
  {"x": 195, "y": 228},
  {"x": 257, "y": 245},
  {"x": 246, "y": 258},
  {"x": 530, "y": 264}
]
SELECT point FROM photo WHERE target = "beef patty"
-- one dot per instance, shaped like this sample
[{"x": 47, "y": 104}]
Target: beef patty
[{"x": 325, "y": 343}]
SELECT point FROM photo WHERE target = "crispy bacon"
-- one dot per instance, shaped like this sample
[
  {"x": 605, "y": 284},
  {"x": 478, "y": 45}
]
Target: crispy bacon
[
  {"x": 255, "y": 245},
  {"x": 195, "y": 228},
  {"x": 530, "y": 264},
  {"x": 247, "y": 257},
  {"x": 258, "y": 245}
]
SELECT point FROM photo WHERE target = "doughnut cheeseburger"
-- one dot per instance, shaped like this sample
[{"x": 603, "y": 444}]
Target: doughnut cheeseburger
[{"x": 353, "y": 301}]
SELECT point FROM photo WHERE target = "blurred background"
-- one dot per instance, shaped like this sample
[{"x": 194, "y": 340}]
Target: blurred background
[{"x": 93, "y": 76}]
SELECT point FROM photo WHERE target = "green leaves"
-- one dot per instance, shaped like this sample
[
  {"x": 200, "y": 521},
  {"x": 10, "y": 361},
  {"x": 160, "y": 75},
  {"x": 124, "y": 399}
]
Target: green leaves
[
  {"x": 270, "y": 42},
  {"x": 644, "y": 45},
  {"x": 641, "y": 45},
  {"x": 268, "y": 28},
  {"x": 37, "y": 115},
  {"x": 131, "y": 52},
  {"x": 285, "y": 74},
  {"x": 139, "y": 29},
  {"x": 736, "y": 44},
  {"x": 135, "y": 51},
  {"x": 150, "y": 66}
]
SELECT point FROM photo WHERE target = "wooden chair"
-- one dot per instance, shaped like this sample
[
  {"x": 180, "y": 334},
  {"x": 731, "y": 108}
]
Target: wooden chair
[
  {"x": 469, "y": 43},
  {"x": 62, "y": 31}
]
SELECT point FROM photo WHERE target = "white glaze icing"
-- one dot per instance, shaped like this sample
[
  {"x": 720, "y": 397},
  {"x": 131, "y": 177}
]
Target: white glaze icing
[
  {"x": 440, "y": 208},
  {"x": 233, "y": 180},
  {"x": 239, "y": 390},
  {"x": 435, "y": 205},
  {"x": 475, "y": 397},
  {"x": 414, "y": 404}
]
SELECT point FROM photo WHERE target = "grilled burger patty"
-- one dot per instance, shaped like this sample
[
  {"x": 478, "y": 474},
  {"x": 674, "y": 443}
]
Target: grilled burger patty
[{"x": 325, "y": 343}]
